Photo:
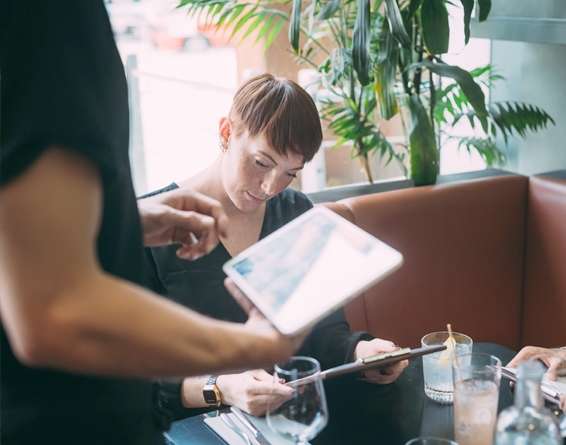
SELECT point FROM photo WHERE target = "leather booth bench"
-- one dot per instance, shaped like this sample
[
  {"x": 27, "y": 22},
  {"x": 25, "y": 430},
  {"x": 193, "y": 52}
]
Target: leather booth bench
[{"x": 487, "y": 255}]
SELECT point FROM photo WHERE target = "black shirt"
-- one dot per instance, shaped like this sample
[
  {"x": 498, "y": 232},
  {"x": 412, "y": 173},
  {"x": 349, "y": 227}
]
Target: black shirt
[
  {"x": 63, "y": 83},
  {"x": 199, "y": 285}
]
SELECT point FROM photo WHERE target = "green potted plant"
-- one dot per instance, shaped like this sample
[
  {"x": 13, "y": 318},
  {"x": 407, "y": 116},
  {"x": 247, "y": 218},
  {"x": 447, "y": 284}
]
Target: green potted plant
[{"x": 381, "y": 58}]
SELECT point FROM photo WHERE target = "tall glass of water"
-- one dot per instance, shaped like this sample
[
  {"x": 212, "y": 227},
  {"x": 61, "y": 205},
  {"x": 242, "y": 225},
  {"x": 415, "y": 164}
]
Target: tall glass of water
[
  {"x": 437, "y": 367},
  {"x": 305, "y": 414},
  {"x": 476, "y": 394}
]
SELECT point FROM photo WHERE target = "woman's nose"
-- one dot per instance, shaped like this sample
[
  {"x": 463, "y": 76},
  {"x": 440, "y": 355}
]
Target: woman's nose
[{"x": 270, "y": 184}]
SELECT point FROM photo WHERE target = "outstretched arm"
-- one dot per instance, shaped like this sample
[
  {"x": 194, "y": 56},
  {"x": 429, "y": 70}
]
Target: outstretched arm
[{"x": 61, "y": 310}]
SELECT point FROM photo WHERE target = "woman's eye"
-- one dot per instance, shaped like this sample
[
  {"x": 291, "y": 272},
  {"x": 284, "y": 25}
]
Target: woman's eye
[
  {"x": 292, "y": 175},
  {"x": 261, "y": 164}
]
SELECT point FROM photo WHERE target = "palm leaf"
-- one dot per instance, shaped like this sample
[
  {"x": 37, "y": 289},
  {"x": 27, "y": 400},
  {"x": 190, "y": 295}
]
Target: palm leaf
[
  {"x": 484, "y": 9},
  {"x": 295, "y": 25},
  {"x": 471, "y": 89},
  {"x": 328, "y": 10},
  {"x": 435, "y": 28},
  {"x": 424, "y": 152},
  {"x": 468, "y": 8},
  {"x": 240, "y": 17},
  {"x": 518, "y": 118},
  {"x": 485, "y": 147},
  {"x": 360, "y": 42},
  {"x": 345, "y": 121},
  {"x": 396, "y": 22},
  {"x": 385, "y": 73}
]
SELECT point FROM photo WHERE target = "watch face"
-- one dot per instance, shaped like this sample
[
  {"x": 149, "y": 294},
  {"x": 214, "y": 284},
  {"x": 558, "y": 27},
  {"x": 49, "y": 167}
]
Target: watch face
[{"x": 210, "y": 396}]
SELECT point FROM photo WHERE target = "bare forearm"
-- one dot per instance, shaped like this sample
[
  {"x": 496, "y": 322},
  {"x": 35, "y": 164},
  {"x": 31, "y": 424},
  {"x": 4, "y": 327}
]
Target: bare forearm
[
  {"x": 108, "y": 326},
  {"x": 191, "y": 392}
]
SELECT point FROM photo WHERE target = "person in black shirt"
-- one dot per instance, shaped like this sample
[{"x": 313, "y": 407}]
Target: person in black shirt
[
  {"x": 80, "y": 338},
  {"x": 272, "y": 129}
]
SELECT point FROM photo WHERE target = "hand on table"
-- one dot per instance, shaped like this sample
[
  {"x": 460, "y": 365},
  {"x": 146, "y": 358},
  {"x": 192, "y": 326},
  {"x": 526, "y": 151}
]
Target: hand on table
[
  {"x": 554, "y": 359},
  {"x": 184, "y": 217},
  {"x": 381, "y": 376},
  {"x": 253, "y": 391}
]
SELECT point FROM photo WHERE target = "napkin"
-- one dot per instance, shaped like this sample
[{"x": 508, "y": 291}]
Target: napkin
[{"x": 232, "y": 438}]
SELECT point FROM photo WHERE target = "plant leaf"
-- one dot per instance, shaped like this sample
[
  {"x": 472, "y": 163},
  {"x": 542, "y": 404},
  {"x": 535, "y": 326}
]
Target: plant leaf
[
  {"x": 468, "y": 8},
  {"x": 385, "y": 73},
  {"x": 519, "y": 118},
  {"x": 360, "y": 42},
  {"x": 424, "y": 156},
  {"x": 485, "y": 147},
  {"x": 328, "y": 10},
  {"x": 295, "y": 25},
  {"x": 470, "y": 88},
  {"x": 274, "y": 32},
  {"x": 396, "y": 22},
  {"x": 435, "y": 28},
  {"x": 485, "y": 8}
]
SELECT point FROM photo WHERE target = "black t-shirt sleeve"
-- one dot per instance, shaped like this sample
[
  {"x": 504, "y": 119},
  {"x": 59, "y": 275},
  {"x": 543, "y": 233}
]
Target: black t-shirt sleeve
[{"x": 59, "y": 72}]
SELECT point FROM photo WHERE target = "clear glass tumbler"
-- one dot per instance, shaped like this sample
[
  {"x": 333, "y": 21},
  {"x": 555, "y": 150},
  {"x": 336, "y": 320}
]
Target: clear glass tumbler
[{"x": 437, "y": 367}]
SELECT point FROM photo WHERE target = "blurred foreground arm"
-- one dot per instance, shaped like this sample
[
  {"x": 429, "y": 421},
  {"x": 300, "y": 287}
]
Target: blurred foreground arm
[{"x": 61, "y": 310}]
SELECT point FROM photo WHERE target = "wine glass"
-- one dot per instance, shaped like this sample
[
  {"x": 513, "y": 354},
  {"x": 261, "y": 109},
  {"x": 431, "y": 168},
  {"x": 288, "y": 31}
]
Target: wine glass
[{"x": 305, "y": 414}]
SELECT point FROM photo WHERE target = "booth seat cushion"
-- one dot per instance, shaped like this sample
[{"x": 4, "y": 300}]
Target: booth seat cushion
[
  {"x": 463, "y": 247},
  {"x": 544, "y": 313}
]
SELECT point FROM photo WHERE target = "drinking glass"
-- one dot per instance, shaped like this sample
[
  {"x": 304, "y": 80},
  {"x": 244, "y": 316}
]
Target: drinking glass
[
  {"x": 476, "y": 393},
  {"x": 430, "y": 441},
  {"x": 437, "y": 371},
  {"x": 305, "y": 414}
]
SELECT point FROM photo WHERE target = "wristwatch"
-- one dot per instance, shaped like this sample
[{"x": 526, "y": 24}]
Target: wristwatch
[{"x": 211, "y": 393}]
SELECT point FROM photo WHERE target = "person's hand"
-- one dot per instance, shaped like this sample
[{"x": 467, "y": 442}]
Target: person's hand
[
  {"x": 381, "y": 376},
  {"x": 253, "y": 391},
  {"x": 554, "y": 359},
  {"x": 184, "y": 217},
  {"x": 277, "y": 346}
]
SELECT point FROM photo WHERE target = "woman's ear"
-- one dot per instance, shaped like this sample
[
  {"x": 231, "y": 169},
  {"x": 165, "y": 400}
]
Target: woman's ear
[{"x": 224, "y": 131}]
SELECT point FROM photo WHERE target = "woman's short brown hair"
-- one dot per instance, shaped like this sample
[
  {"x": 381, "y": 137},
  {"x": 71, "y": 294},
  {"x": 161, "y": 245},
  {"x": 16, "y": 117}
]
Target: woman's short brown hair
[{"x": 280, "y": 110}]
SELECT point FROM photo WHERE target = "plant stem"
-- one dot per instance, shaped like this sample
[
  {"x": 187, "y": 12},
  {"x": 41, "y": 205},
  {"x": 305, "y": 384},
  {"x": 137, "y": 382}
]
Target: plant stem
[
  {"x": 365, "y": 164},
  {"x": 432, "y": 102},
  {"x": 420, "y": 50}
]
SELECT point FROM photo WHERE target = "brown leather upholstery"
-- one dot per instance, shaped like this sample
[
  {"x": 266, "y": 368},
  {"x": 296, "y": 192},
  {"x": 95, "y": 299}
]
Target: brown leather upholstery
[
  {"x": 463, "y": 249},
  {"x": 544, "y": 317},
  {"x": 356, "y": 310}
]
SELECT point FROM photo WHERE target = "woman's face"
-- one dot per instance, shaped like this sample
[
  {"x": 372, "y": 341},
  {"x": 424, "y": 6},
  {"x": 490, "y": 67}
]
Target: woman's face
[{"x": 253, "y": 172}]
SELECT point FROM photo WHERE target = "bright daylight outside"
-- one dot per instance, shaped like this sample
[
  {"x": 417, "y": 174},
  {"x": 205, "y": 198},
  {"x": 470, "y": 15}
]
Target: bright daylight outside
[{"x": 183, "y": 73}]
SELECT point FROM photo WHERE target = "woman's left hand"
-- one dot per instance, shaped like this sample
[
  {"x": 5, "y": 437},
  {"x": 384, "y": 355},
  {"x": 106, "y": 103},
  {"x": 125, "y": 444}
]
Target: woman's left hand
[{"x": 381, "y": 376}]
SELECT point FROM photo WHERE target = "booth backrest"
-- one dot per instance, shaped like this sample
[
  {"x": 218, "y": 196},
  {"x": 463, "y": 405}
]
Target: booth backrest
[
  {"x": 463, "y": 247},
  {"x": 356, "y": 310},
  {"x": 544, "y": 313}
]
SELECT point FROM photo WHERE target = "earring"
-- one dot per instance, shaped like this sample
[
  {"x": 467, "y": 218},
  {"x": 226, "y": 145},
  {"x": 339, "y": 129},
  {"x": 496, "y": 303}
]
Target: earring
[{"x": 223, "y": 144}]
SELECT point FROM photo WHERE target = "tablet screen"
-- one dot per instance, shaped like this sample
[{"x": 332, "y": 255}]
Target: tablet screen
[{"x": 309, "y": 267}]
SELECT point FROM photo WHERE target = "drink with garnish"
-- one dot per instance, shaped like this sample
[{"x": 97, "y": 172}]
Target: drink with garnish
[{"x": 437, "y": 368}]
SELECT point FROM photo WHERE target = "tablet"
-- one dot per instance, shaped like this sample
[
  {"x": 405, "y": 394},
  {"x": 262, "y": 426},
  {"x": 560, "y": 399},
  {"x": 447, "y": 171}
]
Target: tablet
[{"x": 310, "y": 267}]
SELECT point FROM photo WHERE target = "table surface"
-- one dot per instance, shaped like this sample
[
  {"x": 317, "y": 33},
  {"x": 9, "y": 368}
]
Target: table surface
[{"x": 362, "y": 413}]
